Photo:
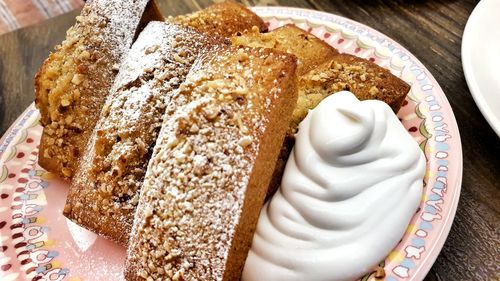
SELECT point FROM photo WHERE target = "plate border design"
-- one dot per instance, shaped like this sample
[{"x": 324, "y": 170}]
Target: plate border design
[{"x": 28, "y": 236}]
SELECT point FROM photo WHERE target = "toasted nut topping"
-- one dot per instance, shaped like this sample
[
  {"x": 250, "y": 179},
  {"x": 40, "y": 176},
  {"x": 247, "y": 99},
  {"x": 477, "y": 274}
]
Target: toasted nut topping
[
  {"x": 76, "y": 94},
  {"x": 66, "y": 172},
  {"x": 242, "y": 56},
  {"x": 373, "y": 90},
  {"x": 245, "y": 141},
  {"x": 151, "y": 49},
  {"x": 85, "y": 55},
  {"x": 194, "y": 129},
  {"x": 69, "y": 119},
  {"x": 77, "y": 79},
  {"x": 65, "y": 102},
  {"x": 67, "y": 209},
  {"x": 211, "y": 112}
]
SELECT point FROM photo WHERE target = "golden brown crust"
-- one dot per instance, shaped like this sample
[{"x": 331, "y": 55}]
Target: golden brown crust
[
  {"x": 309, "y": 49},
  {"x": 365, "y": 79},
  {"x": 73, "y": 82},
  {"x": 211, "y": 166},
  {"x": 222, "y": 19},
  {"x": 105, "y": 190},
  {"x": 262, "y": 174}
]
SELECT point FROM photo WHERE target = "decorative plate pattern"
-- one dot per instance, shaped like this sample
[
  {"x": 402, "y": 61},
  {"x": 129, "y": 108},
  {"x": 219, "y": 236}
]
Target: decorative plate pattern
[{"x": 38, "y": 243}]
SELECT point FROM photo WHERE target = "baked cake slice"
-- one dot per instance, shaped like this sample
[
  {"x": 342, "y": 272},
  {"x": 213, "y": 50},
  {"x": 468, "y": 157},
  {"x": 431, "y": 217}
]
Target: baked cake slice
[
  {"x": 222, "y": 19},
  {"x": 72, "y": 84},
  {"x": 104, "y": 191},
  {"x": 309, "y": 49},
  {"x": 365, "y": 79},
  {"x": 211, "y": 166}
]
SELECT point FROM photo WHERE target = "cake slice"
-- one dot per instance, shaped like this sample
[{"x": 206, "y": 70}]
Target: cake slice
[
  {"x": 72, "y": 84},
  {"x": 221, "y": 19},
  {"x": 323, "y": 71},
  {"x": 211, "y": 166},
  {"x": 365, "y": 79},
  {"x": 105, "y": 189},
  {"x": 309, "y": 49}
]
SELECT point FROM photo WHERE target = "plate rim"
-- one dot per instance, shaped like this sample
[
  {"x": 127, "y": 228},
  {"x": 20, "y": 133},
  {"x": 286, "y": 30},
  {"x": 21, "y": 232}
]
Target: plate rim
[{"x": 467, "y": 65}]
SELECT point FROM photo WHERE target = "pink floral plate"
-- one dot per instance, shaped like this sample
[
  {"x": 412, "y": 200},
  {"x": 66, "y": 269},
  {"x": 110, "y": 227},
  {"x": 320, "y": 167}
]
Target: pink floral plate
[{"x": 38, "y": 243}]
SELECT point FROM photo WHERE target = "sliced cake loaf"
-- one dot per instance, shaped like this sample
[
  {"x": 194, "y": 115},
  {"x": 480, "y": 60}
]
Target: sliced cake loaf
[
  {"x": 322, "y": 71},
  {"x": 365, "y": 79},
  {"x": 222, "y": 19},
  {"x": 211, "y": 166},
  {"x": 72, "y": 84},
  {"x": 309, "y": 49},
  {"x": 104, "y": 191}
]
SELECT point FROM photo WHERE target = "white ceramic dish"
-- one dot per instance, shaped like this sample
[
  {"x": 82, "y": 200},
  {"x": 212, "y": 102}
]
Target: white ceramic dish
[{"x": 481, "y": 57}]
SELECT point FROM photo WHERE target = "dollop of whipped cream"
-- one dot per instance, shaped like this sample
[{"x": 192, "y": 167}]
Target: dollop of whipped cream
[{"x": 351, "y": 186}]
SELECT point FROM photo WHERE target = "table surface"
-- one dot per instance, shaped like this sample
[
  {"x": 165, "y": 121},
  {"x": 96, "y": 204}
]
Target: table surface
[{"x": 431, "y": 30}]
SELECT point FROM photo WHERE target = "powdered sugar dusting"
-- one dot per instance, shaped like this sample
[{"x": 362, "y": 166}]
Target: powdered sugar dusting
[
  {"x": 195, "y": 186},
  {"x": 120, "y": 17},
  {"x": 75, "y": 80},
  {"x": 113, "y": 167}
]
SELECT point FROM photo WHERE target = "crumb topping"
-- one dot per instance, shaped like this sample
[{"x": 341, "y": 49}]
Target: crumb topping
[
  {"x": 309, "y": 49},
  {"x": 196, "y": 180},
  {"x": 345, "y": 72},
  {"x": 221, "y": 19},
  {"x": 74, "y": 81},
  {"x": 113, "y": 168}
]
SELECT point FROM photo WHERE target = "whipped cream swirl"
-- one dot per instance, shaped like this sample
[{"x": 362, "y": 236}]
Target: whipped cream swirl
[{"x": 350, "y": 188}]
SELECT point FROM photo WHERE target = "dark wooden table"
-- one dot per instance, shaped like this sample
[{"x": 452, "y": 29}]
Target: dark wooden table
[{"x": 431, "y": 30}]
